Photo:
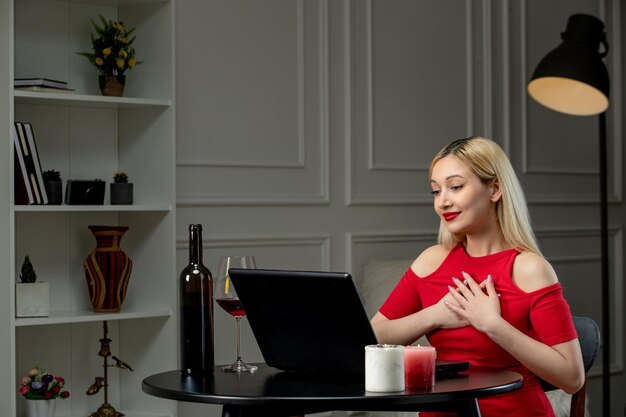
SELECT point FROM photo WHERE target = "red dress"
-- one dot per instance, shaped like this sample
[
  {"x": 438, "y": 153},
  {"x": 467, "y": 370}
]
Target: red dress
[{"x": 543, "y": 315}]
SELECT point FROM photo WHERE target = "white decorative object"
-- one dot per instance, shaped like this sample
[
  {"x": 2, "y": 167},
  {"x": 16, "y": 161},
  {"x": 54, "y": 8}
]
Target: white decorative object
[
  {"x": 32, "y": 299},
  {"x": 384, "y": 368},
  {"x": 40, "y": 408}
]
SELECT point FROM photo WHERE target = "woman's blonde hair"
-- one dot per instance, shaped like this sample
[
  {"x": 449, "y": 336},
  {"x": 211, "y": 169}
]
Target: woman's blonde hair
[{"x": 489, "y": 162}]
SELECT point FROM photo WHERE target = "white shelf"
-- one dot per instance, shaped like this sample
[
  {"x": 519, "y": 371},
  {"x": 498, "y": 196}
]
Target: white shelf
[
  {"x": 91, "y": 208},
  {"x": 126, "y": 413},
  {"x": 118, "y": 3},
  {"x": 68, "y": 317},
  {"x": 85, "y": 100}
]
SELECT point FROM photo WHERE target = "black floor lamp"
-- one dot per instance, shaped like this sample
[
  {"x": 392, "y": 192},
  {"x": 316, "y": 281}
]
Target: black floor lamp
[{"x": 572, "y": 79}]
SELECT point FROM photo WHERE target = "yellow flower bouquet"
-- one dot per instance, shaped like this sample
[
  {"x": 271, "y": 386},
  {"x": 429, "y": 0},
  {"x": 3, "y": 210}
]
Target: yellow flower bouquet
[{"x": 113, "y": 53}]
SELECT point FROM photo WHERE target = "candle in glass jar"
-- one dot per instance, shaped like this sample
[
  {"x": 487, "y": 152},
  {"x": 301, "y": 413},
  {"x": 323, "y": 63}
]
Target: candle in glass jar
[
  {"x": 384, "y": 368},
  {"x": 419, "y": 366}
]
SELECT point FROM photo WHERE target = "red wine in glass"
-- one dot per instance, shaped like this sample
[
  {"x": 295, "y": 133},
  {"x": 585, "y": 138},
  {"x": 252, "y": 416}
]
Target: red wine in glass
[
  {"x": 232, "y": 306},
  {"x": 226, "y": 297}
]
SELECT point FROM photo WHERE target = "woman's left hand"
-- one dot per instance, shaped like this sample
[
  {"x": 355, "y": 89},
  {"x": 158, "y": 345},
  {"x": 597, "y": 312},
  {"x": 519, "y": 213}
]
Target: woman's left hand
[{"x": 480, "y": 309}]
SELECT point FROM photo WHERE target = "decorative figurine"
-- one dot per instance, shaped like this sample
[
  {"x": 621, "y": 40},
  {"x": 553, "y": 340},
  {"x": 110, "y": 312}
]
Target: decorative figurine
[{"x": 106, "y": 409}]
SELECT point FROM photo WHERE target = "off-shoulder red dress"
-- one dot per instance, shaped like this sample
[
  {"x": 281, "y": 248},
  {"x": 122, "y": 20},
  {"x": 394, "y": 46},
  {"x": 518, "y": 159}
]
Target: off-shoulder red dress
[{"x": 543, "y": 315}]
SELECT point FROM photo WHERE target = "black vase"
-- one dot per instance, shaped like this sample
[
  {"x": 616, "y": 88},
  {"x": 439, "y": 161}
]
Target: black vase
[
  {"x": 54, "y": 191},
  {"x": 121, "y": 193}
]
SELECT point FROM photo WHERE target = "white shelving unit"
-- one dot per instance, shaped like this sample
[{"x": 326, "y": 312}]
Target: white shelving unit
[
  {"x": 86, "y": 100},
  {"x": 86, "y": 136}
]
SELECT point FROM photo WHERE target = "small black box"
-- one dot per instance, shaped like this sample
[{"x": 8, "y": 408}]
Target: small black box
[{"x": 85, "y": 192}]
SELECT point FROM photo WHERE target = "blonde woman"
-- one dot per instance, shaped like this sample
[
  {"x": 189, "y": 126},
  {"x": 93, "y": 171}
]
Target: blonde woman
[{"x": 485, "y": 293}]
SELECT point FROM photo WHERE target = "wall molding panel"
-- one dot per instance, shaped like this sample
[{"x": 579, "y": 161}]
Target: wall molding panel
[
  {"x": 366, "y": 138},
  {"x": 354, "y": 240},
  {"x": 487, "y": 73},
  {"x": 320, "y": 242},
  {"x": 299, "y": 162},
  {"x": 260, "y": 179},
  {"x": 373, "y": 141}
]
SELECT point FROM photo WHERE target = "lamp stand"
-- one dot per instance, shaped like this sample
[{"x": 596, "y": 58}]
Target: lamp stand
[
  {"x": 572, "y": 79},
  {"x": 604, "y": 245}
]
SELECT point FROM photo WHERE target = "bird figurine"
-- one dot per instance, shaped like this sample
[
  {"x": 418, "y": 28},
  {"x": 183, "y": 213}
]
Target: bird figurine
[
  {"x": 95, "y": 387},
  {"x": 121, "y": 364}
]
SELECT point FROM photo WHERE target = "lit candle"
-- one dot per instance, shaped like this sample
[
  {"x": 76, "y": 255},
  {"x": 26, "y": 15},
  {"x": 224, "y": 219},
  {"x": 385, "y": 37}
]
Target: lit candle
[
  {"x": 419, "y": 366},
  {"x": 384, "y": 368}
]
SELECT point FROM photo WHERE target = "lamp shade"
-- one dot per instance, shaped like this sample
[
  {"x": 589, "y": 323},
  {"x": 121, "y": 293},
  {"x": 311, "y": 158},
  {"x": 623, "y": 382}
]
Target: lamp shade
[{"x": 572, "y": 78}]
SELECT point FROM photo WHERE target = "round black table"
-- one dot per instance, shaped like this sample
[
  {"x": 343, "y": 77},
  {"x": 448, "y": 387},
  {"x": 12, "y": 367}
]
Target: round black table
[{"x": 270, "y": 391}]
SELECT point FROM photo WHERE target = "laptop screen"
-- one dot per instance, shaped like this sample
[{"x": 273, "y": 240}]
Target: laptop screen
[{"x": 305, "y": 321}]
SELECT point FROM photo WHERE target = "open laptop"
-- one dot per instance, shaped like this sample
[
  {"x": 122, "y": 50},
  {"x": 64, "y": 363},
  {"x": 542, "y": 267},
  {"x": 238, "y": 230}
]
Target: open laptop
[{"x": 309, "y": 321}]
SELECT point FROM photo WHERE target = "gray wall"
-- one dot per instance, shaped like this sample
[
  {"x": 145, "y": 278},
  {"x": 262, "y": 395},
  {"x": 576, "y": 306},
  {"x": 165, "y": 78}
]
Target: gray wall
[{"x": 305, "y": 129}]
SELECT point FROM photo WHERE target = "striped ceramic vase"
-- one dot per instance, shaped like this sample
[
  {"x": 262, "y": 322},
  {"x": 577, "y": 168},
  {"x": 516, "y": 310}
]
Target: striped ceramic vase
[{"x": 107, "y": 269}]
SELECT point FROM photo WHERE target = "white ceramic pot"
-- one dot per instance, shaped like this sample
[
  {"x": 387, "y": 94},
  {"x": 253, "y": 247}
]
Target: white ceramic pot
[
  {"x": 32, "y": 299},
  {"x": 40, "y": 408}
]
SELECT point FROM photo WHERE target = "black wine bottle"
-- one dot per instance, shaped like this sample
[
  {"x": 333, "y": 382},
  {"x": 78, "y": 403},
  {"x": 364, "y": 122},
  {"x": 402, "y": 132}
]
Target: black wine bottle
[{"x": 196, "y": 310}]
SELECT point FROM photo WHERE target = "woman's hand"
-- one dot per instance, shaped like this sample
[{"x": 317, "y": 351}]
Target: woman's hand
[
  {"x": 472, "y": 304},
  {"x": 446, "y": 318}
]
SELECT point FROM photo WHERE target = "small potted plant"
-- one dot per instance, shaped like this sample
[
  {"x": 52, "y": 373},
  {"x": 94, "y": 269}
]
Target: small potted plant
[
  {"x": 54, "y": 186},
  {"x": 121, "y": 189},
  {"x": 112, "y": 55},
  {"x": 41, "y": 389},
  {"x": 32, "y": 299}
]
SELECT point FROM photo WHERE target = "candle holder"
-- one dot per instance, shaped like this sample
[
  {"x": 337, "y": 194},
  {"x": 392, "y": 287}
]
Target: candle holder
[
  {"x": 419, "y": 366},
  {"x": 106, "y": 409},
  {"x": 384, "y": 368}
]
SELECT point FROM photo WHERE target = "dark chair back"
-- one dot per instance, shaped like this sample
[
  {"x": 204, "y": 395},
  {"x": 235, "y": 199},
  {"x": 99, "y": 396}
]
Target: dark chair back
[{"x": 589, "y": 338}]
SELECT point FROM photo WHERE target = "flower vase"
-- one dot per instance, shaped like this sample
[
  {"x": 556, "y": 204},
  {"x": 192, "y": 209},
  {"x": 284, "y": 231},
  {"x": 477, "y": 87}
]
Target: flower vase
[
  {"x": 40, "y": 408},
  {"x": 107, "y": 269},
  {"x": 112, "y": 85}
]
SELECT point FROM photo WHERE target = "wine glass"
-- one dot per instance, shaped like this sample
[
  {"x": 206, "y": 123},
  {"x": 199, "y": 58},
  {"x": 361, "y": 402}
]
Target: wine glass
[{"x": 226, "y": 297}]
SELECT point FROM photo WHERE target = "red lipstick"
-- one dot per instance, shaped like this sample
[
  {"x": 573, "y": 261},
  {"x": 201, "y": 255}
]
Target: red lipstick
[{"x": 451, "y": 215}]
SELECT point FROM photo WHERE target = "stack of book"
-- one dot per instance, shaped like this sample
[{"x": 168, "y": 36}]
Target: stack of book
[
  {"x": 45, "y": 85},
  {"x": 29, "y": 185}
]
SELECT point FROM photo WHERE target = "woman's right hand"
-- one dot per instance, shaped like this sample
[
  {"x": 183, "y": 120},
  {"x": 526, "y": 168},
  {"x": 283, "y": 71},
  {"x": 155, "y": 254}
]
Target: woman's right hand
[
  {"x": 408, "y": 329},
  {"x": 446, "y": 318}
]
